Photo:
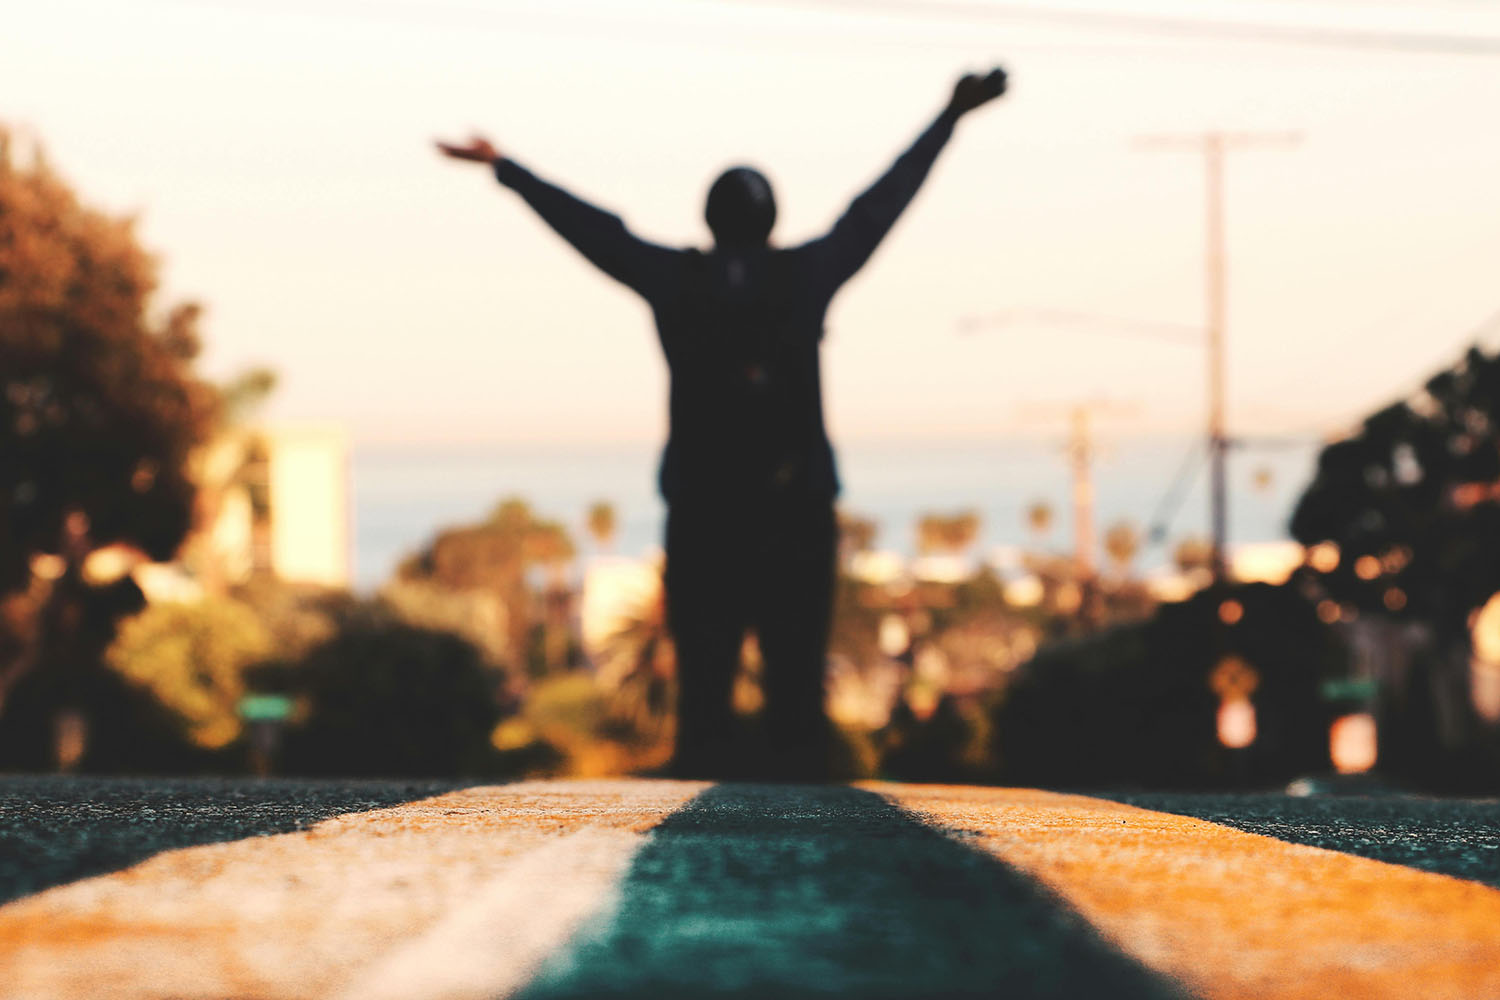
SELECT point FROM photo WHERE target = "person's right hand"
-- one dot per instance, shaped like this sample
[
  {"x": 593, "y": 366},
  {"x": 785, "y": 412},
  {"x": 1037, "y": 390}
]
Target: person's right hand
[
  {"x": 973, "y": 90},
  {"x": 478, "y": 149}
]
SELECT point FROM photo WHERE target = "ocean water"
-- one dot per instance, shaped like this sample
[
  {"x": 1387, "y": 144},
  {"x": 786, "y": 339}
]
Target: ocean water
[{"x": 403, "y": 496}]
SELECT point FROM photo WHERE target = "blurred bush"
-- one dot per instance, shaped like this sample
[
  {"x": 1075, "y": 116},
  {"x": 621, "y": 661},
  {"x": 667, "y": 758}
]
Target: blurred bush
[
  {"x": 571, "y": 725},
  {"x": 193, "y": 658},
  {"x": 1136, "y": 705},
  {"x": 387, "y": 699}
]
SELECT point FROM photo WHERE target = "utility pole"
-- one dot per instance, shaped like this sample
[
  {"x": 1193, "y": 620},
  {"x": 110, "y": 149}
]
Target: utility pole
[
  {"x": 1213, "y": 146},
  {"x": 1081, "y": 452}
]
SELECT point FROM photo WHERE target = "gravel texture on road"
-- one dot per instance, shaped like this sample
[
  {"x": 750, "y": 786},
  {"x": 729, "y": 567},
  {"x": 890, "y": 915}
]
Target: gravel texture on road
[
  {"x": 310, "y": 890},
  {"x": 1458, "y": 837},
  {"x": 59, "y": 829}
]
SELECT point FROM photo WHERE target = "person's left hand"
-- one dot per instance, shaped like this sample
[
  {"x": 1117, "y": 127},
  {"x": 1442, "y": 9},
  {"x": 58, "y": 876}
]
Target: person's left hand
[
  {"x": 478, "y": 149},
  {"x": 974, "y": 90}
]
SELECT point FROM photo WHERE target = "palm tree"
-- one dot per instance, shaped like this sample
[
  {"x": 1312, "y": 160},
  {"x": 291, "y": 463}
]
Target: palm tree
[
  {"x": 1193, "y": 554},
  {"x": 232, "y": 461},
  {"x": 638, "y": 667},
  {"x": 1123, "y": 542},
  {"x": 949, "y": 533},
  {"x": 602, "y": 523},
  {"x": 1039, "y": 518},
  {"x": 856, "y": 533}
]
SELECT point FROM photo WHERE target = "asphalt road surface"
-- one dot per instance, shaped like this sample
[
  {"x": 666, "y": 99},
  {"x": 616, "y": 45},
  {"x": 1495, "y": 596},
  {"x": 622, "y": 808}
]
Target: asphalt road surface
[{"x": 279, "y": 889}]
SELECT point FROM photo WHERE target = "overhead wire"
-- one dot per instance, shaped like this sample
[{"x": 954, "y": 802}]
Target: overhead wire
[
  {"x": 1172, "y": 501},
  {"x": 1401, "y": 41},
  {"x": 1162, "y": 26}
]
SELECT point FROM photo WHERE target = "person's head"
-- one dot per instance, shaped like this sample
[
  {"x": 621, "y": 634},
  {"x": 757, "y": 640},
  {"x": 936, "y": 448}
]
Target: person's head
[{"x": 741, "y": 209}]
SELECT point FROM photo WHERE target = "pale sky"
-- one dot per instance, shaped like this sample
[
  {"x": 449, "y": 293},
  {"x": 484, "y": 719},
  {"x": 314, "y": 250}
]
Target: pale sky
[{"x": 278, "y": 155}]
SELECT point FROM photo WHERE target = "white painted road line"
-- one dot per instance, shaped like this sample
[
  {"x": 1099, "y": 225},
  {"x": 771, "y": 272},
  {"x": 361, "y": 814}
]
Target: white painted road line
[
  {"x": 492, "y": 945},
  {"x": 303, "y": 915}
]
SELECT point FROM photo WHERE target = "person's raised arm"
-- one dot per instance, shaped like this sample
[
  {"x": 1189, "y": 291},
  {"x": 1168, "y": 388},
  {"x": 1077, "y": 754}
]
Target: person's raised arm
[
  {"x": 598, "y": 235},
  {"x": 870, "y": 216}
]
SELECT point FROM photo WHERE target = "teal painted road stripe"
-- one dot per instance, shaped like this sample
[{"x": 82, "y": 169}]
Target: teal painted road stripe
[{"x": 787, "y": 891}]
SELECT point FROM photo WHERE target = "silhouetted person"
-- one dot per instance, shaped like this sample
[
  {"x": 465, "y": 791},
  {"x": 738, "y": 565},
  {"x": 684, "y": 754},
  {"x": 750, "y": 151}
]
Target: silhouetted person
[{"x": 748, "y": 473}]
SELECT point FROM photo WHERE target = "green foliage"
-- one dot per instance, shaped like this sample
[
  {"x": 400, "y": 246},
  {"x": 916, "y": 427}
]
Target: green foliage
[
  {"x": 386, "y": 699},
  {"x": 567, "y": 704},
  {"x": 580, "y": 727},
  {"x": 193, "y": 658}
]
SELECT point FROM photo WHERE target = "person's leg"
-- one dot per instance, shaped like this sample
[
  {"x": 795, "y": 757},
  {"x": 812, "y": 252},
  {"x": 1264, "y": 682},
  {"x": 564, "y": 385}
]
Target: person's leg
[
  {"x": 794, "y": 604},
  {"x": 707, "y": 617}
]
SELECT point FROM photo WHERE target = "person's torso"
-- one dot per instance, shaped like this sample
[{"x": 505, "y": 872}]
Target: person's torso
[{"x": 741, "y": 335}]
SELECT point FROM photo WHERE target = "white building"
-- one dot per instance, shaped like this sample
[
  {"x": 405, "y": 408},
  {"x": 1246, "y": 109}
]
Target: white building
[{"x": 273, "y": 500}]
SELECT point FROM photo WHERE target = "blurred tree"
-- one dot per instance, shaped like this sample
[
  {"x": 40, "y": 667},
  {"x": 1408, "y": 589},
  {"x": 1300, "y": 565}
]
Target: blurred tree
[
  {"x": 1412, "y": 501},
  {"x": 495, "y": 556},
  {"x": 1193, "y": 555},
  {"x": 193, "y": 658},
  {"x": 243, "y": 394},
  {"x": 476, "y": 615},
  {"x": 947, "y": 533},
  {"x": 1122, "y": 542},
  {"x": 602, "y": 523},
  {"x": 1404, "y": 521},
  {"x": 856, "y": 533},
  {"x": 1039, "y": 518},
  {"x": 99, "y": 408}
]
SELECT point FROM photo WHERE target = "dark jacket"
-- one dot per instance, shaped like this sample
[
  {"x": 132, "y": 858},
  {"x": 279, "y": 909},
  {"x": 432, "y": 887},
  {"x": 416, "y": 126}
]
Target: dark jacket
[{"x": 741, "y": 332}]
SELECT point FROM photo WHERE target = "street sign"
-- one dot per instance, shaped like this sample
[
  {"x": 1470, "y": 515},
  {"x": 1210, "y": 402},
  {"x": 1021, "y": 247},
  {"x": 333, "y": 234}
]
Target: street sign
[
  {"x": 1348, "y": 689},
  {"x": 265, "y": 707}
]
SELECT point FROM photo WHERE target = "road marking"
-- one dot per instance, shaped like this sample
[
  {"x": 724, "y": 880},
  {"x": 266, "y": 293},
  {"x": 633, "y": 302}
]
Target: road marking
[
  {"x": 306, "y": 914},
  {"x": 1231, "y": 914},
  {"x": 802, "y": 892},
  {"x": 494, "y": 943}
]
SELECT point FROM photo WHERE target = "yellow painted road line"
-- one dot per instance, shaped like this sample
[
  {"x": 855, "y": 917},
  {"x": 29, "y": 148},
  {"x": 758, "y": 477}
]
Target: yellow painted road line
[
  {"x": 1233, "y": 914},
  {"x": 386, "y": 903}
]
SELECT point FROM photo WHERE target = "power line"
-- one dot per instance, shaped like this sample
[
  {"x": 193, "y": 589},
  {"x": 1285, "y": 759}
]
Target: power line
[
  {"x": 467, "y": 17},
  {"x": 1172, "y": 500},
  {"x": 1212, "y": 29}
]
